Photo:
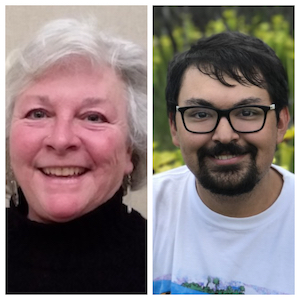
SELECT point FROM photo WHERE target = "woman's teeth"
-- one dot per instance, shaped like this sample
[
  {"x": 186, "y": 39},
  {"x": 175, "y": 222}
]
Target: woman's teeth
[{"x": 63, "y": 172}]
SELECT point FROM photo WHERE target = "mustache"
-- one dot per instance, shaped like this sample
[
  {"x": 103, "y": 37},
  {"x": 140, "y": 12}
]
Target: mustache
[{"x": 229, "y": 149}]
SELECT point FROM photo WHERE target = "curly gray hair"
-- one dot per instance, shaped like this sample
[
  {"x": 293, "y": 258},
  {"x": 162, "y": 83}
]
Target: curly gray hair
[{"x": 55, "y": 43}]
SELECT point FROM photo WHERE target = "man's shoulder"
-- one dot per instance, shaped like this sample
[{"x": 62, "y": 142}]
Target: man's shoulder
[
  {"x": 170, "y": 189},
  {"x": 288, "y": 188},
  {"x": 179, "y": 173},
  {"x": 173, "y": 172},
  {"x": 170, "y": 181},
  {"x": 287, "y": 175}
]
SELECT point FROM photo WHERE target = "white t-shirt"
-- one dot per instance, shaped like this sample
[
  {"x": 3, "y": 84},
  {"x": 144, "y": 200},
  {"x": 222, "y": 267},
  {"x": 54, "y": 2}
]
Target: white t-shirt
[{"x": 199, "y": 251}]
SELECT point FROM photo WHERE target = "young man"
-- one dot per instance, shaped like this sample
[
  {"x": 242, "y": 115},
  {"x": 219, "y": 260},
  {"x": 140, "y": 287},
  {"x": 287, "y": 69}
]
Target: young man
[{"x": 224, "y": 223}]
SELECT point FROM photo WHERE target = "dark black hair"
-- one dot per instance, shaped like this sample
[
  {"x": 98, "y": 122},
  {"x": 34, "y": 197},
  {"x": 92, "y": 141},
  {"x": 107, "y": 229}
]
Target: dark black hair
[{"x": 243, "y": 58}]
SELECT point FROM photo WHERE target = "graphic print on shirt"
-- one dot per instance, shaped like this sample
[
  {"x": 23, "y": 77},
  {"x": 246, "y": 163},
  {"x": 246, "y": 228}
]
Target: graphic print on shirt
[{"x": 211, "y": 285}]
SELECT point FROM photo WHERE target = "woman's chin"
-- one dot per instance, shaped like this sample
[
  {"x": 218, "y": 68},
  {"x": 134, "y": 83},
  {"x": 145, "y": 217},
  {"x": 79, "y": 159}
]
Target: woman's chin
[{"x": 58, "y": 211}]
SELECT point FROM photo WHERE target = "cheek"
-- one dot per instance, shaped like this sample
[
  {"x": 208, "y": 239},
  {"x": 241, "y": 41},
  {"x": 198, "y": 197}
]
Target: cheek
[
  {"x": 190, "y": 143},
  {"x": 112, "y": 150},
  {"x": 189, "y": 146},
  {"x": 23, "y": 145},
  {"x": 266, "y": 145}
]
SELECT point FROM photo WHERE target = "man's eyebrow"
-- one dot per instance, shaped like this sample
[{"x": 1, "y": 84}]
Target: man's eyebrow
[
  {"x": 248, "y": 101},
  {"x": 198, "y": 101},
  {"x": 206, "y": 103}
]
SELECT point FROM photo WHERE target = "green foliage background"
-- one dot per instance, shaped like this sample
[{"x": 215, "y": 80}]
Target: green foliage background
[{"x": 275, "y": 30}]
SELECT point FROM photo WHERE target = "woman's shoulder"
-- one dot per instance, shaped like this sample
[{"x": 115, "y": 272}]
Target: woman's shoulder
[{"x": 133, "y": 221}]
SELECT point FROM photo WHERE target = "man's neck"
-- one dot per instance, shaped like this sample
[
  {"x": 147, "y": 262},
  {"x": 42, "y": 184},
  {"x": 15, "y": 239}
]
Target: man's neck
[{"x": 249, "y": 204}]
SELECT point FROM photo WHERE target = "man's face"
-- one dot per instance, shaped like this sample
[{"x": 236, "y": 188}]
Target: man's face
[{"x": 226, "y": 162}]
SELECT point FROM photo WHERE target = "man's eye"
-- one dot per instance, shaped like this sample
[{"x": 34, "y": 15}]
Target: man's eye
[
  {"x": 251, "y": 112},
  {"x": 247, "y": 113},
  {"x": 36, "y": 114},
  {"x": 201, "y": 115}
]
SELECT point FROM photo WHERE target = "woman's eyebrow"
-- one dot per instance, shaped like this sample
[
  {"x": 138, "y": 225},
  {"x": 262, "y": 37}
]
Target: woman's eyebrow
[
  {"x": 93, "y": 101},
  {"x": 40, "y": 98}
]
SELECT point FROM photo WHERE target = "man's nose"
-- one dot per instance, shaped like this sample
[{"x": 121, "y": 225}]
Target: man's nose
[
  {"x": 62, "y": 137},
  {"x": 224, "y": 133}
]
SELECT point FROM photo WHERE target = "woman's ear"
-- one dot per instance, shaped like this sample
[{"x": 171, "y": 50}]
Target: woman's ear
[
  {"x": 282, "y": 124},
  {"x": 129, "y": 163}
]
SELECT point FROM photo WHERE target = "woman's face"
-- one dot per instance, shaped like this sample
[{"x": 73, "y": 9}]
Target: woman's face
[{"x": 69, "y": 142}]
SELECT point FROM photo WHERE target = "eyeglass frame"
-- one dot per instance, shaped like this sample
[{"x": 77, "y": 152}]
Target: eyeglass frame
[{"x": 225, "y": 113}]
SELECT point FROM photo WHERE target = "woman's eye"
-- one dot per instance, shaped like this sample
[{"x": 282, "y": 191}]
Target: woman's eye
[
  {"x": 95, "y": 118},
  {"x": 36, "y": 114}
]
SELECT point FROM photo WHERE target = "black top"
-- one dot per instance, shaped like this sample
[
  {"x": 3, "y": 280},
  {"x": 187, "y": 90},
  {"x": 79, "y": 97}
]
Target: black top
[{"x": 103, "y": 251}]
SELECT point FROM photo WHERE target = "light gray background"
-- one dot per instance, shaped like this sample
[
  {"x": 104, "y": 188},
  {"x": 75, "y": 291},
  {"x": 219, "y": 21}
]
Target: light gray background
[{"x": 129, "y": 22}]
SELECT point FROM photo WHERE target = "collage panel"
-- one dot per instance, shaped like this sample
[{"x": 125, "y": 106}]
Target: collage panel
[
  {"x": 150, "y": 149},
  {"x": 223, "y": 150},
  {"x": 76, "y": 139}
]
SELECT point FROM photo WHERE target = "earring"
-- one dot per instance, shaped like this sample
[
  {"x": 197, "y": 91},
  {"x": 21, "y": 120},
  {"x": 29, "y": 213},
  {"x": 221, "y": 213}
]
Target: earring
[
  {"x": 12, "y": 187},
  {"x": 14, "y": 192},
  {"x": 126, "y": 191}
]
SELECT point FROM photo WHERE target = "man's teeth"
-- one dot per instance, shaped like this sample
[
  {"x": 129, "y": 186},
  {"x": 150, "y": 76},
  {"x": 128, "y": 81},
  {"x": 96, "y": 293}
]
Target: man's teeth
[
  {"x": 223, "y": 157},
  {"x": 64, "y": 172}
]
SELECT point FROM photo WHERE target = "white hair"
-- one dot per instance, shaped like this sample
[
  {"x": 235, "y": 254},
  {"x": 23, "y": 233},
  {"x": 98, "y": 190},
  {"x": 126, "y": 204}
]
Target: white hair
[{"x": 59, "y": 40}]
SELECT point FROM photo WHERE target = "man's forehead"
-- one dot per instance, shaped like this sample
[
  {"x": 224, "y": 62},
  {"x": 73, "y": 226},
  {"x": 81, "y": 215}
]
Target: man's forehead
[
  {"x": 206, "y": 71},
  {"x": 197, "y": 85}
]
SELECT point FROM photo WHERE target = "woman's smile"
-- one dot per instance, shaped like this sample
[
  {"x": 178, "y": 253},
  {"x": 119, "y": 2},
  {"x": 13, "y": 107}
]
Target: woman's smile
[{"x": 64, "y": 171}]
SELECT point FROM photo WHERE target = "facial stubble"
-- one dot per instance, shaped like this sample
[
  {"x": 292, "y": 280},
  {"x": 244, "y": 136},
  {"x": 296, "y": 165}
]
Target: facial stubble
[{"x": 228, "y": 180}]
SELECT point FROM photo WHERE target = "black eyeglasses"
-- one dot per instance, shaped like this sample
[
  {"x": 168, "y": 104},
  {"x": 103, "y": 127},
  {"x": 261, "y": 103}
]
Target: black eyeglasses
[{"x": 242, "y": 119}]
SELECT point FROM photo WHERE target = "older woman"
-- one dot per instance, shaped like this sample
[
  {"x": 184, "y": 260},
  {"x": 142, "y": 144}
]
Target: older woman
[{"x": 76, "y": 128}]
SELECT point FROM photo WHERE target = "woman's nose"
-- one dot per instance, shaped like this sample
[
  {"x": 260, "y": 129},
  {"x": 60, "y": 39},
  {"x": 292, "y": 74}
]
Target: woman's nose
[
  {"x": 224, "y": 133},
  {"x": 62, "y": 137}
]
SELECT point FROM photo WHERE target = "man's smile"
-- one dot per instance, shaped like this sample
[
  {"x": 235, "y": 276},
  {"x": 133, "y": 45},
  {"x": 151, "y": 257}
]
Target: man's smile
[
  {"x": 224, "y": 157},
  {"x": 227, "y": 159}
]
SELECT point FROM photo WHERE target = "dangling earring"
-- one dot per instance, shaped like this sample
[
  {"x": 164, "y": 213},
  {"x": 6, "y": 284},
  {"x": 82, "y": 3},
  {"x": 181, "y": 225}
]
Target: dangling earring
[
  {"x": 12, "y": 188},
  {"x": 126, "y": 191},
  {"x": 14, "y": 192}
]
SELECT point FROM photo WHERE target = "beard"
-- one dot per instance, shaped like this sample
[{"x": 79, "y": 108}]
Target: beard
[{"x": 228, "y": 180}]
